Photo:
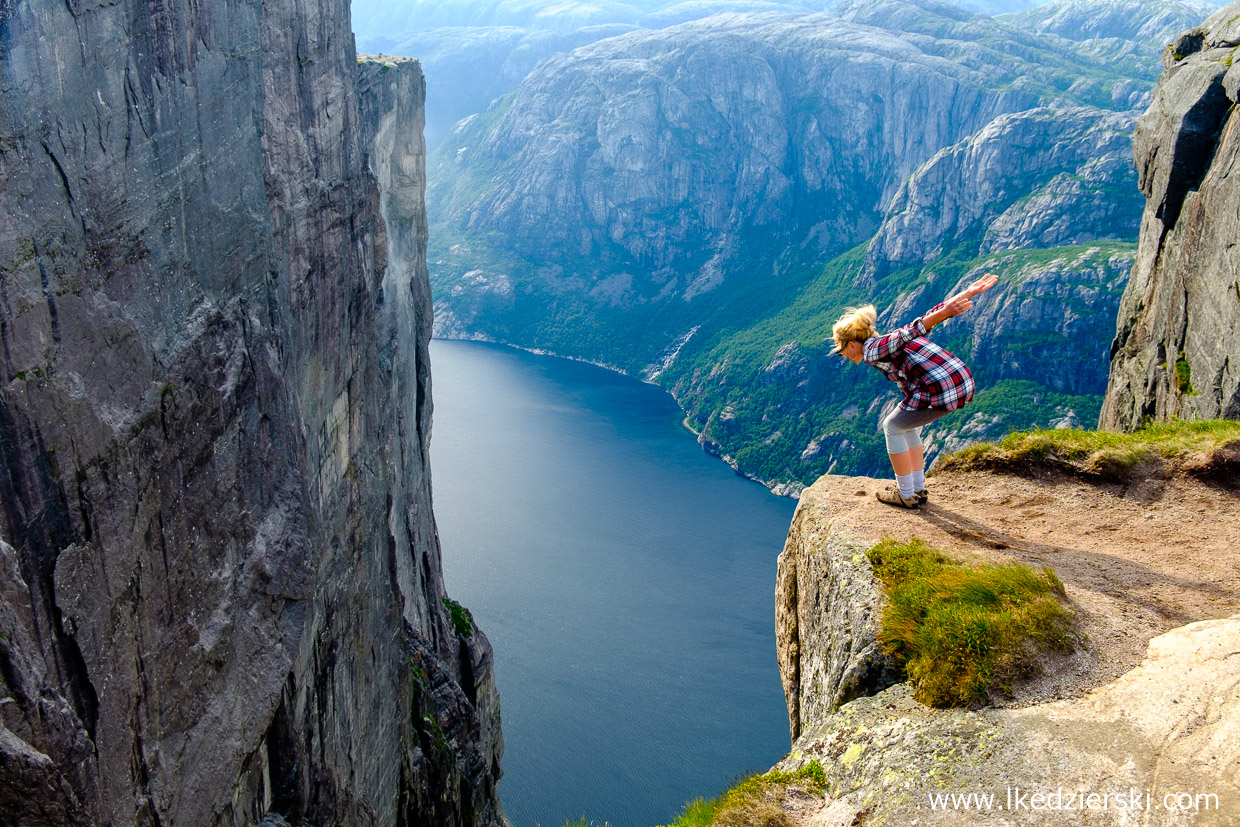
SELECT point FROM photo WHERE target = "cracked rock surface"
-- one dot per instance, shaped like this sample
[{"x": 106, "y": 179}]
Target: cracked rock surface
[{"x": 220, "y": 588}]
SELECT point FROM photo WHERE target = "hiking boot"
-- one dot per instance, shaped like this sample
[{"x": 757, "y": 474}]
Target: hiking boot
[
  {"x": 892, "y": 496},
  {"x": 922, "y": 495}
]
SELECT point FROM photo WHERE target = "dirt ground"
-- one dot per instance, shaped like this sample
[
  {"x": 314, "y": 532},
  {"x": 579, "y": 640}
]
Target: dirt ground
[{"x": 1136, "y": 560}]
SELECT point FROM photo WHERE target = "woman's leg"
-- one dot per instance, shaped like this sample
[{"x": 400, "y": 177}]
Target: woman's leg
[
  {"x": 903, "y": 463},
  {"x": 902, "y": 430},
  {"x": 919, "y": 460},
  {"x": 902, "y": 460}
]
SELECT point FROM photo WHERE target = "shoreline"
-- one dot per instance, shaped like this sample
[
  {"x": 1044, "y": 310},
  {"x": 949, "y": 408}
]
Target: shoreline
[{"x": 708, "y": 446}]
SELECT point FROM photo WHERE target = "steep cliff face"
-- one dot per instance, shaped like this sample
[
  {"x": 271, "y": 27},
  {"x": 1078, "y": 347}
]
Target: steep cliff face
[
  {"x": 657, "y": 152},
  {"x": 1176, "y": 352},
  {"x": 220, "y": 591},
  {"x": 1047, "y": 177}
]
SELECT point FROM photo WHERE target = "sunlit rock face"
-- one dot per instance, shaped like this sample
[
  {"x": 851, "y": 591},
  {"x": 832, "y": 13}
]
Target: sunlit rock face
[
  {"x": 220, "y": 589},
  {"x": 1176, "y": 349}
]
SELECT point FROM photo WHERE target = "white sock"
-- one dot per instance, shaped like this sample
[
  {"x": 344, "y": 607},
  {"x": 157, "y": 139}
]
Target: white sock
[
  {"x": 905, "y": 482},
  {"x": 919, "y": 480}
]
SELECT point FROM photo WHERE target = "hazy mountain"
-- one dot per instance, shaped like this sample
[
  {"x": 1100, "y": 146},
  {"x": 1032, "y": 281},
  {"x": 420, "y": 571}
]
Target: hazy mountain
[
  {"x": 474, "y": 51},
  {"x": 1152, "y": 23},
  {"x": 387, "y": 17}
]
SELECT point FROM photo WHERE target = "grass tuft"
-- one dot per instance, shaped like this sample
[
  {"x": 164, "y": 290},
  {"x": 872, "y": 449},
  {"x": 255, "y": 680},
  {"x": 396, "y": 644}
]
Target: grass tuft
[
  {"x": 754, "y": 801},
  {"x": 1202, "y": 447},
  {"x": 462, "y": 620},
  {"x": 1184, "y": 376},
  {"x": 963, "y": 631}
]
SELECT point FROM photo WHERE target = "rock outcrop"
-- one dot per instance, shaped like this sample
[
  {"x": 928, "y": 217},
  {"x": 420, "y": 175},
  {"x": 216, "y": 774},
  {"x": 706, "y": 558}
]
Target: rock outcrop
[
  {"x": 1176, "y": 350},
  {"x": 1046, "y": 177},
  {"x": 220, "y": 589},
  {"x": 1148, "y": 702},
  {"x": 1159, "y": 746},
  {"x": 828, "y": 604}
]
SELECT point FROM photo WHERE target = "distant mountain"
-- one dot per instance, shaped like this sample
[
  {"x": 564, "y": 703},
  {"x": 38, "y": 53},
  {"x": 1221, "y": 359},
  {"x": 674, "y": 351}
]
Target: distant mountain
[
  {"x": 473, "y": 51},
  {"x": 395, "y": 17},
  {"x": 1151, "y": 23},
  {"x": 468, "y": 67},
  {"x": 696, "y": 205}
]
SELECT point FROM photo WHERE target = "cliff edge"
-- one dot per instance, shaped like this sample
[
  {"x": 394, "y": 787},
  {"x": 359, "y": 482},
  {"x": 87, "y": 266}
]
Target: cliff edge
[
  {"x": 1140, "y": 721},
  {"x": 220, "y": 589},
  {"x": 1149, "y": 699}
]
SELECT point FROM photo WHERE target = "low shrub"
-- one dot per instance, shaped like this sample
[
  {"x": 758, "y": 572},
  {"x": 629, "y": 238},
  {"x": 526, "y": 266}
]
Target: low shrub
[
  {"x": 462, "y": 620},
  {"x": 962, "y": 631}
]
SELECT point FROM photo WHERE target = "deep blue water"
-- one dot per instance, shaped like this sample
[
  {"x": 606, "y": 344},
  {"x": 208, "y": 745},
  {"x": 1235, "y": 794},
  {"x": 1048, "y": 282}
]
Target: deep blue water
[{"x": 625, "y": 579}]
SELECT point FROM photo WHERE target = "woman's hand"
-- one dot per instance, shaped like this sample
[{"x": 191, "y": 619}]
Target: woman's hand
[
  {"x": 963, "y": 300},
  {"x": 960, "y": 302},
  {"x": 957, "y": 304},
  {"x": 981, "y": 285}
]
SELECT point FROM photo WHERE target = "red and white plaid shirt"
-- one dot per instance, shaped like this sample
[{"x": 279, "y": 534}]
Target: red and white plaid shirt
[{"x": 929, "y": 376}]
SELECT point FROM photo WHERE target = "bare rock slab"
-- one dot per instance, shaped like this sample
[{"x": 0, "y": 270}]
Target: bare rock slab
[{"x": 1158, "y": 746}]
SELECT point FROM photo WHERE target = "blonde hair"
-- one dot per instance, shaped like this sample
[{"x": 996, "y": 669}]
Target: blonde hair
[{"x": 856, "y": 325}]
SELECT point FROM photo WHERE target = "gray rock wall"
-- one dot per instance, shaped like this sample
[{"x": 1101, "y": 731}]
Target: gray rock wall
[
  {"x": 220, "y": 589},
  {"x": 1046, "y": 177},
  {"x": 1160, "y": 743},
  {"x": 828, "y": 606},
  {"x": 1176, "y": 350}
]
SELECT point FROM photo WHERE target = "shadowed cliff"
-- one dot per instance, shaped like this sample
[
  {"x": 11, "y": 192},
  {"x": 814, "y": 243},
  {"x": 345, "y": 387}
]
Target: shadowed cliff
[
  {"x": 1176, "y": 352},
  {"x": 220, "y": 588}
]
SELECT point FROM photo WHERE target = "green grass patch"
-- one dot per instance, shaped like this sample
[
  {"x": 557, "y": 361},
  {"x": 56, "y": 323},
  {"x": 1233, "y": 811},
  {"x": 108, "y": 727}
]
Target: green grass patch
[
  {"x": 1184, "y": 376},
  {"x": 1200, "y": 445},
  {"x": 462, "y": 620},
  {"x": 754, "y": 800},
  {"x": 962, "y": 631}
]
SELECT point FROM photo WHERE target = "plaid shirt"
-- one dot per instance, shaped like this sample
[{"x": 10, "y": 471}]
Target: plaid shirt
[{"x": 929, "y": 376}]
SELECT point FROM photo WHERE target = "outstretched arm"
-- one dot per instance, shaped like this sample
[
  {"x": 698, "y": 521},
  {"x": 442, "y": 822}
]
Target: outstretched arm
[{"x": 958, "y": 303}]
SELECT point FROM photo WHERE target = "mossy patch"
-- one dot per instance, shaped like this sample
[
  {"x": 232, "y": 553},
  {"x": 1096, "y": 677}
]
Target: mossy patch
[
  {"x": 754, "y": 800},
  {"x": 963, "y": 631},
  {"x": 1184, "y": 376},
  {"x": 462, "y": 620},
  {"x": 1207, "y": 448}
]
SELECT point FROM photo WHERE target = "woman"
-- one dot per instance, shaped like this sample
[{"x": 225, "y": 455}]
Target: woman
[{"x": 934, "y": 382}]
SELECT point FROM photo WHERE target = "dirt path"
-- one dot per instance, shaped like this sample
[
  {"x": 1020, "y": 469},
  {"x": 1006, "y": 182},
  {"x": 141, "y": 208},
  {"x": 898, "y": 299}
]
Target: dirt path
[{"x": 1136, "y": 560}]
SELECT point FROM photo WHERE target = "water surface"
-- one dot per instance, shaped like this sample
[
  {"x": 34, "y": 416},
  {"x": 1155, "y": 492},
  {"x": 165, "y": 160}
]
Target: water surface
[{"x": 625, "y": 579}]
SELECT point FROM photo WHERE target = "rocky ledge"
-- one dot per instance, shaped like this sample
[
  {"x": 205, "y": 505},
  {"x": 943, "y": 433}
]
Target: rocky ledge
[
  {"x": 1159, "y": 746},
  {"x": 1149, "y": 700}
]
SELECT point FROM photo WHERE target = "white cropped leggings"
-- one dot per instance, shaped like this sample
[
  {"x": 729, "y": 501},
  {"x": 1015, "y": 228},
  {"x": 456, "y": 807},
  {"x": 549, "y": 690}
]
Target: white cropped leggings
[{"x": 902, "y": 428}]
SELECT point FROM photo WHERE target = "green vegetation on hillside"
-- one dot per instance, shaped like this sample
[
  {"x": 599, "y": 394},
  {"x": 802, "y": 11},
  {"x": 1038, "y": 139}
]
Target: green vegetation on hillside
[
  {"x": 820, "y": 415},
  {"x": 962, "y": 631},
  {"x": 462, "y": 620}
]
